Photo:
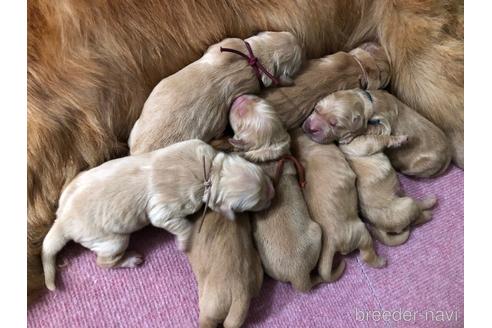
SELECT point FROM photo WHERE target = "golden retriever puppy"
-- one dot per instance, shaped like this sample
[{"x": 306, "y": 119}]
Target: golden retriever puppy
[
  {"x": 227, "y": 268},
  {"x": 379, "y": 189},
  {"x": 288, "y": 241},
  {"x": 364, "y": 67},
  {"x": 194, "y": 102},
  {"x": 345, "y": 114},
  {"x": 101, "y": 207},
  {"x": 331, "y": 197}
]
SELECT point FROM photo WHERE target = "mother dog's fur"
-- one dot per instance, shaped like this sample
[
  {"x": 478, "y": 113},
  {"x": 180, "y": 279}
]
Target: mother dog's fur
[{"x": 91, "y": 67}]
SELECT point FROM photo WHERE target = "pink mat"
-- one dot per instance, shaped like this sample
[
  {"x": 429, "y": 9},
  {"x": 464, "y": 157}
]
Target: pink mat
[{"x": 424, "y": 277}]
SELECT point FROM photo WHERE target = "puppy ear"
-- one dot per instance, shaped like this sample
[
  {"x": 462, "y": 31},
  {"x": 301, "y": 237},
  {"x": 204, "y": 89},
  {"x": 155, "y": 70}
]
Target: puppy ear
[
  {"x": 227, "y": 212},
  {"x": 238, "y": 143}
]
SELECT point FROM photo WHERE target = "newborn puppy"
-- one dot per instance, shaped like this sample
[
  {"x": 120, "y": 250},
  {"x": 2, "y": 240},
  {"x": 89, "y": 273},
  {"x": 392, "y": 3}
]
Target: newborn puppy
[
  {"x": 194, "y": 102},
  {"x": 288, "y": 241},
  {"x": 379, "y": 189},
  {"x": 101, "y": 207},
  {"x": 364, "y": 67},
  {"x": 227, "y": 268},
  {"x": 345, "y": 114},
  {"x": 331, "y": 197}
]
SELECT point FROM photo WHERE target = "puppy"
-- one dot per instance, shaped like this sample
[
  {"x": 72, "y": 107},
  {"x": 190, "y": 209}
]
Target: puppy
[
  {"x": 288, "y": 241},
  {"x": 379, "y": 189},
  {"x": 345, "y": 114},
  {"x": 194, "y": 102},
  {"x": 364, "y": 67},
  {"x": 331, "y": 197},
  {"x": 101, "y": 207},
  {"x": 227, "y": 268}
]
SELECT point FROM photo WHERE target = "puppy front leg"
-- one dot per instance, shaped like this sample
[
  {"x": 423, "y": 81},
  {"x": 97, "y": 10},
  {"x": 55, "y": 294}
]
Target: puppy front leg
[
  {"x": 178, "y": 226},
  {"x": 367, "y": 145}
]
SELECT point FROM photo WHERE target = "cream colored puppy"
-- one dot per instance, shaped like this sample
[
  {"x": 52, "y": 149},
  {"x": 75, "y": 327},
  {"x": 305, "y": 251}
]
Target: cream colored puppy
[
  {"x": 331, "y": 197},
  {"x": 288, "y": 241},
  {"x": 227, "y": 268},
  {"x": 345, "y": 114},
  {"x": 194, "y": 102},
  {"x": 379, "y": 189},
  {"x": 101, "y": 207},
  {"x": 366, "y": 66}
]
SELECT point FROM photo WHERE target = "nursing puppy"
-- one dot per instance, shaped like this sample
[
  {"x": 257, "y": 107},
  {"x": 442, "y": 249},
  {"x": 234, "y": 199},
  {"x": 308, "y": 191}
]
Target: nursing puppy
[
  {"x": 288, "y": 241},
  {"x": 194, "y": 102},
  {"x": 345, "y": 114},
  {"x": 331, "y": 197},
  {"x": 227, "y": 268},
  {"x": 364, "y": 67},
  {"x": 379, "y": 189},
  {"x": 101, "y": 207}
]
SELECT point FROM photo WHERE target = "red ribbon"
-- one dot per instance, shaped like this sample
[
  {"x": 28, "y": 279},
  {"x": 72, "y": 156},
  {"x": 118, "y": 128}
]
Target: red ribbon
[
  {"x": 297, "y": 164},
  {"x": 254, "y": 63}
]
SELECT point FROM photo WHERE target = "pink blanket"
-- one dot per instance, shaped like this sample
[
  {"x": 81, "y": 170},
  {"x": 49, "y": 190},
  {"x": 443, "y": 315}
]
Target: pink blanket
[{"x": 421, "y": 287}]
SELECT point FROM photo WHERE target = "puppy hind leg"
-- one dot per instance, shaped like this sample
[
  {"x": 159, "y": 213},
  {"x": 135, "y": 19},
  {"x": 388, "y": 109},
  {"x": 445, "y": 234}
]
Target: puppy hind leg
[
  {"x": 111, "y": 252},
  {"x": 237, "y": 312},
  {"x": 367, "y": 251},
  {"x": 181, "y": 227},
  {"x": 325, "y": 265}
]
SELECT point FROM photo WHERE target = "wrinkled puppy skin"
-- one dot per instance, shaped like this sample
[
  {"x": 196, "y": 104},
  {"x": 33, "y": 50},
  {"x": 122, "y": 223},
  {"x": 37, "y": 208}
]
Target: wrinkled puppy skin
[
  {"x": 194, "y": 102},
  {"x": 345, "y": 114},
  {"x": 322, "y": 76},
  {"x": 378, "y": 187},
  {"x": 331, "y": 197},
  {"x": 227, "y": 268}
]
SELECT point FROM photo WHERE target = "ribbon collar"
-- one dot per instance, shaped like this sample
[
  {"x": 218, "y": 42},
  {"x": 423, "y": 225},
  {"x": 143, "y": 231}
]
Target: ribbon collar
[
  {"x": 207, "y": 183},
  {"x": 254, "y": 63}
]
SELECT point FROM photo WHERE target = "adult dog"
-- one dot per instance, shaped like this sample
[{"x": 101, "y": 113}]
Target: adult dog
[{"x": 92, "y": 65}]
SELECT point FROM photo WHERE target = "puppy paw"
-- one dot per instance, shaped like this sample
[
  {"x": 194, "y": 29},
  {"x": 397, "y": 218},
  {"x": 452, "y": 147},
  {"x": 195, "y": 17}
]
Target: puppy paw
[{"x": 132, "y": 259}]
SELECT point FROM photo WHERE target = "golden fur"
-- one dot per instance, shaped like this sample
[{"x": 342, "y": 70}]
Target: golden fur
[
  {"x": 288, "y": 240},
  {"x": 92, "y": 65},
  {"x": 193, "y": 103},
  {"x": 331, "y": 197},
  {"x": 426, "y": 154},
  {"x": 227, "y": 268},
  {"x": 322, "y": 76},
  {"x": 101, "y": 207},
  {"x": 378, "y": 188}
]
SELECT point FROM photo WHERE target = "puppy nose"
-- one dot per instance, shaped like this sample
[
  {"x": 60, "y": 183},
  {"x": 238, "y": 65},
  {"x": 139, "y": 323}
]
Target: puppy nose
[
  {"x": 310, "y": 127},
  {"x": 332, "y": 121}
]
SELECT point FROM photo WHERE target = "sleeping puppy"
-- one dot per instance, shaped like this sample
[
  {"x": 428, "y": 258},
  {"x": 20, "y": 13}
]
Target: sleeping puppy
[
  {"x": 364, "y": 67},
  {"x": 227, "y": 268},
  {"x": 345, "y": 114},
  {"x": 194, "y": 102},
  {"x": 288, "y": 241},
  {"x": 101, "y": 207},
  {"x": 379, "y": 189},
  {"x": 331, "y": 197}
]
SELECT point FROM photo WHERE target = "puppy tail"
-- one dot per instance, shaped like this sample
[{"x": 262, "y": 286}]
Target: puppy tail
[
  {"x": 52, "y": 244},
  {"x": 237, "y": 312}
]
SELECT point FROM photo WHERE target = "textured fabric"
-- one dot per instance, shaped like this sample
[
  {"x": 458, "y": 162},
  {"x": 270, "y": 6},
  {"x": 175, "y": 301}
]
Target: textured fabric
[{"x": 425, "y": 274}]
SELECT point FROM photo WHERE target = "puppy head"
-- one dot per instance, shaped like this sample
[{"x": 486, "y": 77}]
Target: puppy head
[
  {"x": 280, "y": 53},
  {"x": 340, "y": 116},
  {"x": 257, "y": 128},
  {"x": 242, "y": 186}
]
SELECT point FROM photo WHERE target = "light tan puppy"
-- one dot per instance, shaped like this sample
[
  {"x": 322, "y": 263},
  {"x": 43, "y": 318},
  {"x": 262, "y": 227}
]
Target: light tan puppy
[
  {"x": 364, "y": 67},
  {"x": 345, "y": 114},
  {"x": 288, "y": 241},
  {"x": 379, "y": 189},
  {"x": 194, "y": 102},
  {"x": 331, "y": 197},
  {"x": 227, "y": 268},
  {"x": 101, "y": 207}
]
